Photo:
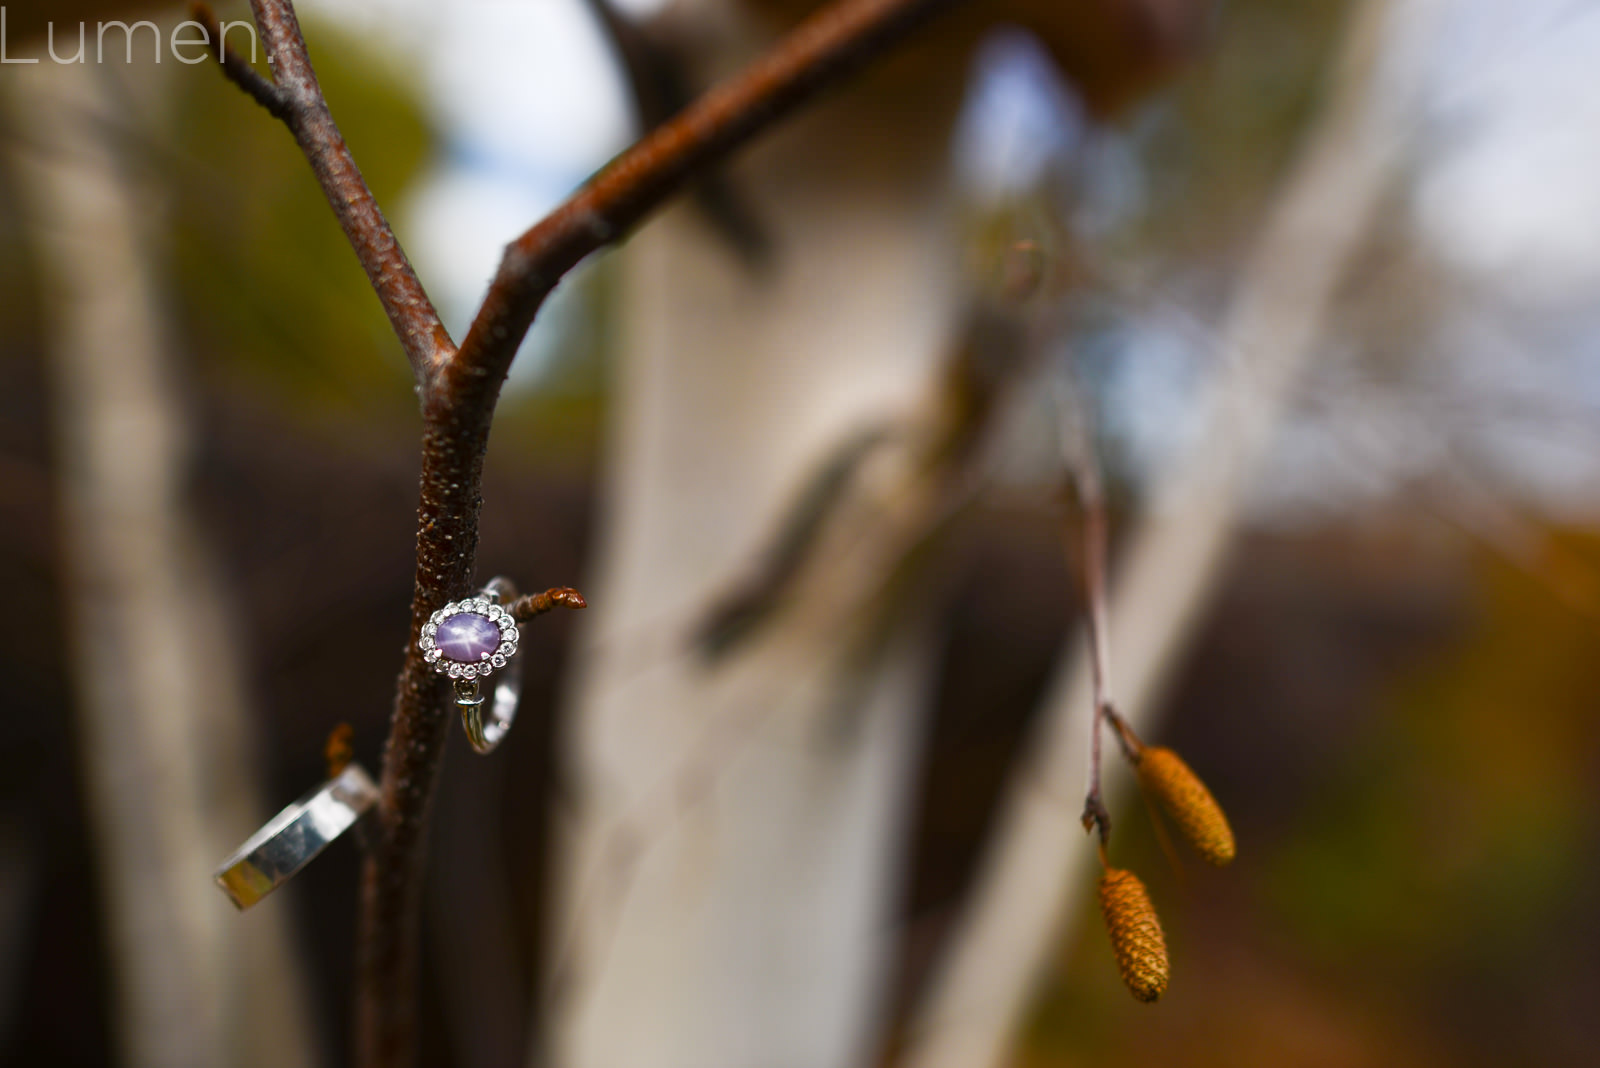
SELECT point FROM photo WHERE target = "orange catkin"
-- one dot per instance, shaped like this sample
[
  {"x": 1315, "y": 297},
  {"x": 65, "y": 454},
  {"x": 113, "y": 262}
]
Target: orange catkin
[
  {"x": 1136, "y": 938},
  {"x": 1188, "y": 802}
]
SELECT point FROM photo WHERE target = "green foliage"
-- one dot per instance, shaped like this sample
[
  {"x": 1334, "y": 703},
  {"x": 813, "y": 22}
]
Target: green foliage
[
  {"x": 267, "y": 283},
  {"x": 1454, "y": 838}
]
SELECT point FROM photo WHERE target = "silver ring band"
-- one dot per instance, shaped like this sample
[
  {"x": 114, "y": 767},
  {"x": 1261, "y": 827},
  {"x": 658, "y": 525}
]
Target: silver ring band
[
  {"x": 484, "y": 733},
  {"x": 292, "y": 838},
  {"x": 484, "y": 736}
]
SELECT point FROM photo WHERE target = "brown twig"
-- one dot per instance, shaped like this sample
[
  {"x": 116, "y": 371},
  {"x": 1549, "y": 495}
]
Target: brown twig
[
  {"x": 459, "y": 390},
  {"x": 1132, "y": 747},
  {"x": 237, "y": 68},
  {"x": 1083, "y": 471},
  {"x": 452, "y": 463},
  {"x": 830, "y": 44},
  {"x": 295, "y": 97},
  {"x": 537, "y": 604}
]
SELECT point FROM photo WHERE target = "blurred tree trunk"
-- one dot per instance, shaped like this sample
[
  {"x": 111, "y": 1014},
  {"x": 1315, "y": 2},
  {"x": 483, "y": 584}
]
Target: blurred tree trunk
[
  {"x": 738, "y": 822},
  {"x": 169, "y": 773}
]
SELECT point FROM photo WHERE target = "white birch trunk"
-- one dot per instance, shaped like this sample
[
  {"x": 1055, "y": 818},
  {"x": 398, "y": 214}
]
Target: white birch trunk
[{"x": 739, "y": 827}]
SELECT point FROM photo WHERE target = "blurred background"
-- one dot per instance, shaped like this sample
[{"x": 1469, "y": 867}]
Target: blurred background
[{"x": 802, "y": 787}]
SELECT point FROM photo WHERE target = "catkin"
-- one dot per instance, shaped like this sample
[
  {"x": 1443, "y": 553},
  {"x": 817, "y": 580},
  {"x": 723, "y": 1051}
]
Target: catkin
[
  {"x": 1188, "y": 802},
  {"x": 1136, "y": 939}
]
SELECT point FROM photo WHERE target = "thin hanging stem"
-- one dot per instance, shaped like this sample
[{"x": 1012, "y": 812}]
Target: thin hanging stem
[{"x": 1086, "y": 525}]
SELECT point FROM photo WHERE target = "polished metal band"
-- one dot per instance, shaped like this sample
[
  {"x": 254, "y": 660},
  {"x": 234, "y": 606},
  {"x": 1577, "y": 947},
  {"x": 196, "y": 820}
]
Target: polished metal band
[{"x": 288, "y": 841}]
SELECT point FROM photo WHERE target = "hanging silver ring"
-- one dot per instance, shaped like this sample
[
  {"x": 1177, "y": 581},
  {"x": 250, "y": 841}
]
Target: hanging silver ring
[
  {"x": 468, "y": 641},
  {"x": 288, "y": 842}
]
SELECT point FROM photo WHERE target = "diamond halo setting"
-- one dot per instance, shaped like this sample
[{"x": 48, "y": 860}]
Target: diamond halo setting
[{"x": 469, "y": 639}]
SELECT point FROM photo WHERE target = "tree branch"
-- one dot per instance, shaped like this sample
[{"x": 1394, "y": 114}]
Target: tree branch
[
  {"x": 238, "y": 69},
  {"x": 295, "y": 97},
  {"x": 828, "y": 46},
  {"x": 1083, "y": 474},
  {"x": 459, "y": 390}
]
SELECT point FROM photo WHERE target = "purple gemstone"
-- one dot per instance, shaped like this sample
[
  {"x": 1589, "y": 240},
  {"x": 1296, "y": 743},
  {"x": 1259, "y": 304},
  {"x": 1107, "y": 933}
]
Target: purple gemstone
[{"x": 466, "y": 638}]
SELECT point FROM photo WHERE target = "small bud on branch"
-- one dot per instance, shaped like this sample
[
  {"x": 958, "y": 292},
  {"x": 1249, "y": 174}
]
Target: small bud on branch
[{"x": 537, "y": 604}]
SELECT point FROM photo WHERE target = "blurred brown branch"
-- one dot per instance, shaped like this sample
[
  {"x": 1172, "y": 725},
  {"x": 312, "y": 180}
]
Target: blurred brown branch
[
  {"x": 237, "y": 68},
  {"x": 1083, "y": 474},
  {"x": 658, "y": 74},
  {"x": 459, "y": 389}
]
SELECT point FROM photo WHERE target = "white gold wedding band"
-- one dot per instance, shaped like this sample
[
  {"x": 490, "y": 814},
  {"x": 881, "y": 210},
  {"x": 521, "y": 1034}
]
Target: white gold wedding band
[{"x": 289, "y": 841}]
